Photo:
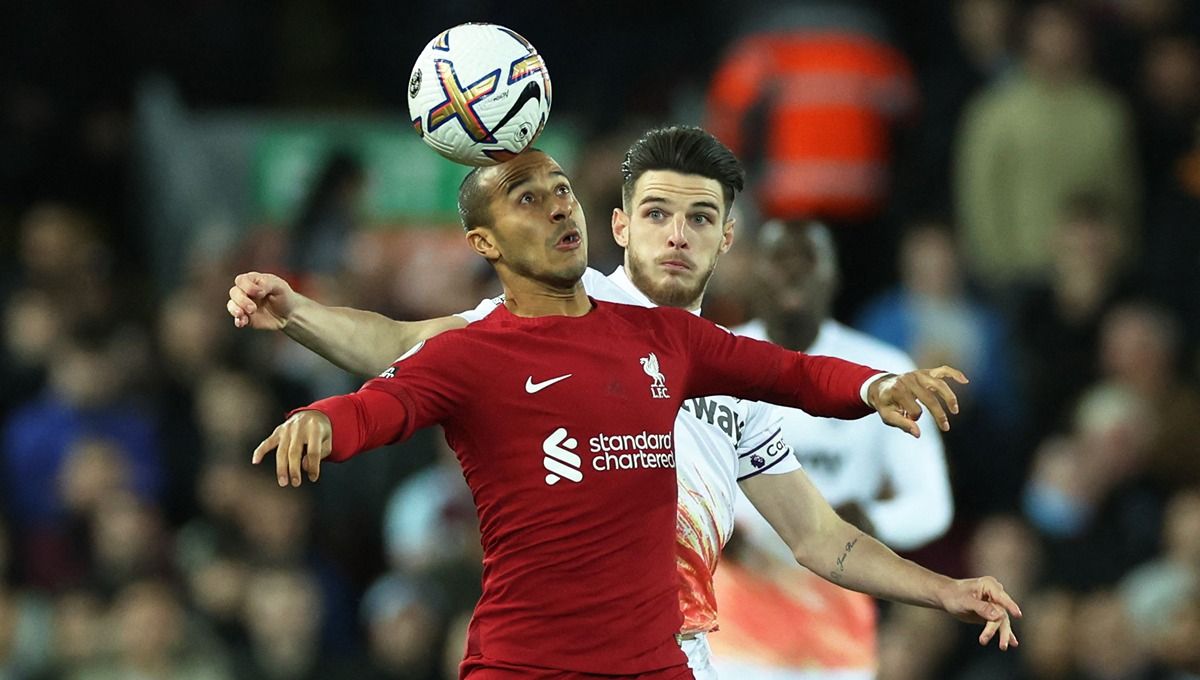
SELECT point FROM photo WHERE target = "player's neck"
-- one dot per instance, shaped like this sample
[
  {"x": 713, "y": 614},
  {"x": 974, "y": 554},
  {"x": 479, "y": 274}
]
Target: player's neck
[{"x": 530, "y": 298}]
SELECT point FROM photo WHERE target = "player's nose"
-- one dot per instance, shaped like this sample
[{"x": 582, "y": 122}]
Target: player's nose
[
  {"x": 561, "y": 209},
  {"x": 678, "y": 235}
]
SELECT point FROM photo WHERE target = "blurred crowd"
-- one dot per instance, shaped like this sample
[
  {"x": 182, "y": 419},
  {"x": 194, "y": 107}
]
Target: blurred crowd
[{"x": 1014, "y": 188}]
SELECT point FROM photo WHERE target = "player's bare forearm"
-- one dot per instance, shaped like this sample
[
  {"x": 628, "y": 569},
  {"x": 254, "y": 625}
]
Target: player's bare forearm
[
  {"x": 843, "y": 554},
  {"x": 853, "y": 559},
  {"x": 358, "y": 341},
  {"x": 833, "y": 548}
]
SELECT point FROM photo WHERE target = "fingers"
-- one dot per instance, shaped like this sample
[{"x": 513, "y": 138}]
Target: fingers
[
  {"x": 933, "y": 392},
  {"x": 989, "y": 631},
  {"x": 312, "y": 456},
  {"x": 254, "y": 284},
  {"x": 996, "y": 593},
  {"x": 922, "y": 390},
  {"x": 900, "y": 420},
  {"x": 949, "y": 372},
  {"x": 241, "y": 299},
  {"x": 938, "y": 386},
  {"x": 267, "y": 444},
  {"x": 1007, "y": 638},
  {"x": 283, "y": 457},
  {"x": 300, "y": 442}
]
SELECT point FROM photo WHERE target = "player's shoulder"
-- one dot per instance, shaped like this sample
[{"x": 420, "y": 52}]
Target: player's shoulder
[
  {"x": 654, "y": 315},
  {"x": 454, "y": 344},
  {"x": 842, "y": 341}
]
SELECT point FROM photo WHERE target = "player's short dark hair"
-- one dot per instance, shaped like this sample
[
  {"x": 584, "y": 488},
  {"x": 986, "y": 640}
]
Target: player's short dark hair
[
  {"x": 472, "y": 201},
  {"x": 684, "y": 149}
]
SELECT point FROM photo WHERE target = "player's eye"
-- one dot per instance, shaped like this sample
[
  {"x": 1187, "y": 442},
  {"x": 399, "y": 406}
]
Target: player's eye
[
  {"x": 526, "y": 198},
  {"x": 655, "y": 214},
  {"x": 701, "y": 219},
  {"x": 563, "y": 190}
]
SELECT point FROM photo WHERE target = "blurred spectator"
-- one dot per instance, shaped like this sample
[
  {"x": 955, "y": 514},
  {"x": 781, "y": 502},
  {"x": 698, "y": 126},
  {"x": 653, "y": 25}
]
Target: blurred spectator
[
  {"x": 25, "y": 628},
  {"x": 329, "y": 216},
  {"x": 1169, "y": 104},
  {"x": 61, "y": 255},
  {"x": 31, "y": 324},
  {"x": 913, "y": 642},
  {"x": 1089, "y": 492},
  {"x": 151, "y": 639},
  {"x": 1028, "y": 143},
  {"x": 979, "y": 54},
  {"x": 1140, "y": 353},
  {"x": 403, "y": 628},
  {"x": 276, "y": 528},
  {"x": 5, "y": 552},
  {"x": 1162, "y": 596},
  {"x": 218, "y": 590},
  {"x": 78, "y": 639},
  {"x": 1172, "y": 249},
  {"x": 193, "y": 344},
  {"x": 284, "y": 617},
  {"x": 1058, "y": 323},
  {"x": 95, "y": 471},
  {"x": 129, "y": 543},
  {"x": 934, "y": 318},
  {"x": 806, "y": 95},
  {"x": 232, "y": 410},
  {"x": 1101, "y": 618},
  {"x": 430, "y": 528},
  {"x": 84, "y": 398}
]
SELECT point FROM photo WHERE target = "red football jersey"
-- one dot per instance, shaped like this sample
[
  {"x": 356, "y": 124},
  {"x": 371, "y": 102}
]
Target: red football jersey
[{"x": 563, "y": 426}]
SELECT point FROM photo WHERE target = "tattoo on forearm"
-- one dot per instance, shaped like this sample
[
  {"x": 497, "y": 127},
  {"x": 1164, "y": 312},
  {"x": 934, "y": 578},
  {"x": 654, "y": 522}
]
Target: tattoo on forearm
[{"x": 837, "y": 574}]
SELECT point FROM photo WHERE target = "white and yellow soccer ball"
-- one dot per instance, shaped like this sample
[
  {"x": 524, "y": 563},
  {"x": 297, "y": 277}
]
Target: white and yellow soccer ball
[{"x": 479, "y": 94}]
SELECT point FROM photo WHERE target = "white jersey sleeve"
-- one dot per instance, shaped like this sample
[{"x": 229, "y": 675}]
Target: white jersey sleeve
[
  {"x": 485, "y": 307},
  {"x": 762, "y": 448}
]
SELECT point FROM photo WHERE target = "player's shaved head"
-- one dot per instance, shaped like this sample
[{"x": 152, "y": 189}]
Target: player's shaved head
[
  {"x": 474, "y": 193},
  {"x": 473, "y": 201}
]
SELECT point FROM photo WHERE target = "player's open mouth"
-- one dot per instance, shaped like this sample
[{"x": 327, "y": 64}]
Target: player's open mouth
[{"x": 569, "y": 241}]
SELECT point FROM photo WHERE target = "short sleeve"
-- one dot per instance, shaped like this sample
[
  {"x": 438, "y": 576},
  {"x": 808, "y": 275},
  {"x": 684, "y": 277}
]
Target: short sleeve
[{"x": 762, "y": 449}]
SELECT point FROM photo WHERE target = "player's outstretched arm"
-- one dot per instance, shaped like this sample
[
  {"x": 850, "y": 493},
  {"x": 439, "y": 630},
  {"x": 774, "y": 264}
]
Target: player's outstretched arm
[
  {"x": 899, "y": 398},
  {"x": 841, "y": 553},
  {"x": 357, "y": 341}
]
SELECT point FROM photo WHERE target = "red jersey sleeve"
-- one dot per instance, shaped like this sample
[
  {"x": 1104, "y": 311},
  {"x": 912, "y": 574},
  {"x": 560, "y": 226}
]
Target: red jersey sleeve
[
  {"x": 724, "y": 363},
  {"x": 424, "y": 387}
]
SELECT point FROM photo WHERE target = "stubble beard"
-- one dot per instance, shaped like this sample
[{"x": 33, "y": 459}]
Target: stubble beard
[{"x": 671, "y": 293}]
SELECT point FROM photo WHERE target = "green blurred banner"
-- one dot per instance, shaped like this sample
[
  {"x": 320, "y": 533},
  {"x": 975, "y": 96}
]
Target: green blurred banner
[{"x": 407, "y": 181}]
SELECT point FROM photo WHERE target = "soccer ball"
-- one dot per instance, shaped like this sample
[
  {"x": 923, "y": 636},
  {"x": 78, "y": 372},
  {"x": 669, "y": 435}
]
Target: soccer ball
[{"x": 479, "y": 94}]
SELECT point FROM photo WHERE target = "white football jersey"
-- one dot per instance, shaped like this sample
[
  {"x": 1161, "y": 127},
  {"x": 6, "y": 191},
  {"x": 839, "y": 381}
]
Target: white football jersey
[
  {"x": 718, "y": 442},
  {"x": 900, "y": 482}
]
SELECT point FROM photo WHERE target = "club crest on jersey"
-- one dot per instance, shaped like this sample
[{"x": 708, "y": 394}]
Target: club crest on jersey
[{"x": 658, "y": 382}]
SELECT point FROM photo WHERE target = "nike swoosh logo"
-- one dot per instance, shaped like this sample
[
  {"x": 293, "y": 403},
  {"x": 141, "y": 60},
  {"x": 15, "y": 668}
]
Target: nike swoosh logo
[
  {"x": 532, "y": 91},
  {"x": 532, "y": 387}
]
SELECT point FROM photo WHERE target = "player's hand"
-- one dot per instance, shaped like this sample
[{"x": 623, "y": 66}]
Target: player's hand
[
  {"x": 983, "y": 600},
  {"x": 261, "y": 301},
  {"x": 899, "y": 398},
  {"x": 302, "y": 441}
]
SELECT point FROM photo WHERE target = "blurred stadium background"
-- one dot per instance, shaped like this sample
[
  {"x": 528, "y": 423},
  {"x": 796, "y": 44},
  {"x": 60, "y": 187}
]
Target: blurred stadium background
[{"x": 1015, "y": 188}]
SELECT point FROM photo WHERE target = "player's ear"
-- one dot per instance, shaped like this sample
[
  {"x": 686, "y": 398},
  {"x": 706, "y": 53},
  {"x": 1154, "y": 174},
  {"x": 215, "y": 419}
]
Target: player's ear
[
  {"x": 727, "y": 235},
  {"x": 620, "y": 227},
  {"x": 483, "y": 243}
]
